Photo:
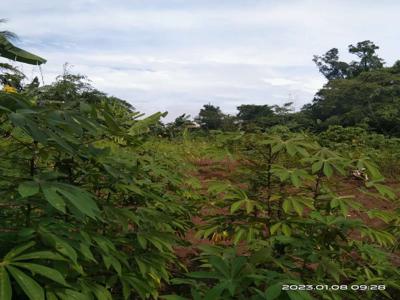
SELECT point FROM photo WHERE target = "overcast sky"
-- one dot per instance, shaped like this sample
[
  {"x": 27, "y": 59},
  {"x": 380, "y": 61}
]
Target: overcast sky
[{"x": 176, "y": 55}]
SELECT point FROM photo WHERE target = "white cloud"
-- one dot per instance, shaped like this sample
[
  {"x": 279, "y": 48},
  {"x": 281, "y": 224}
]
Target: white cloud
[
  {"x": 179, "y": 54},
  {"x": 280, "y": 81}
]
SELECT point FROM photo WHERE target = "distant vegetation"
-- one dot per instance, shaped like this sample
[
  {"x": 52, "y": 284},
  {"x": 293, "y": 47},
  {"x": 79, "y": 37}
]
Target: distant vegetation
[
  {"x": 101, "y": 202},
  {"x": 362, "y": 93}
]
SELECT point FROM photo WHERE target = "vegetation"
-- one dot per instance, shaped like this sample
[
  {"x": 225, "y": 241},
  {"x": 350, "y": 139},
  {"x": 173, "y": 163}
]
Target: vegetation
[{"x": 101, "y": 202}]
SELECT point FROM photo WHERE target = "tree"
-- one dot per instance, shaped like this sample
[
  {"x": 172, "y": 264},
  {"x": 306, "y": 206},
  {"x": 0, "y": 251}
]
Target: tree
[
  {"x": 251, "y": 115},
  {"x": 361, "y": 93},
  {"x": 368, "y": 59},
  {"x": 173, "y": 129},
  {"x": 370, "y": 100},
  {"x": 210, "y": 117},
  {"x": 330, "y": 66}
]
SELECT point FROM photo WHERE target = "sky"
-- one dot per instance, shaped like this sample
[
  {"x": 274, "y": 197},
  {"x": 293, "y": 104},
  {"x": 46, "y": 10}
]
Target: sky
[{"x": 177, "y": 55}]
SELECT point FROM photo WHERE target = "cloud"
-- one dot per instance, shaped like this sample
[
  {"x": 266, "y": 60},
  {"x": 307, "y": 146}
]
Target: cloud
[{"x": 177, "y": 55}]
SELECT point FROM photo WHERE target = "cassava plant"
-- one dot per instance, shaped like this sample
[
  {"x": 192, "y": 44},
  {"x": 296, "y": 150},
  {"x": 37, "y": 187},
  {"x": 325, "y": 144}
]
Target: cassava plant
[
  {"x": 295, "y": 211},
  {"x": 86, "y": 212}
]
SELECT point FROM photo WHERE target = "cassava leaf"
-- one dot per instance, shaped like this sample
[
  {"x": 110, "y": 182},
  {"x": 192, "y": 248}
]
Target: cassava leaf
[{"x": 30, "y": 287}]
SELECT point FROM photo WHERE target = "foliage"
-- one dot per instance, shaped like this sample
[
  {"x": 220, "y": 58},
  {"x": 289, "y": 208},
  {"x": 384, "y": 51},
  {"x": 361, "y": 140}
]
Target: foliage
[
  {"x": 295, "y": 212},
  {"x": 210, "y": 117},
  {"x": 86, "y": 212},
  {"x": 369, "y": 100},
  {"x": 332, "y": 68}
]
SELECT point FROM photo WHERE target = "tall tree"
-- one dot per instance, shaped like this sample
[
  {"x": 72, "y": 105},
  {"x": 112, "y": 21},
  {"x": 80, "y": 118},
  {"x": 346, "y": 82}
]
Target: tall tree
[
  {"x": 330, "y": 66},
  {"x": 368, "y": 59},
  {"x": 251, "y": 115},
  {"x": 210, "y": 117}
]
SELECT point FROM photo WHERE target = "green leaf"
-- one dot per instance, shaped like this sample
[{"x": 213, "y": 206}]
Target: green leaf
[
  {"x": 385, "y": 191},
  {"x": 298, "y": 206},
  {"x": 5, "y": 285},
  {"x": 101, "y": 292},
  {"x": 51, "y": 195},
  {"x": 298, "y": 295},
  {"x": 374, "y": 171},
  {"x": 287, "y": 205},
  {"x": 85, "y": 250},
  {"x": 81, "y": 199},
  {"x": 275, "y": 227},
  {"x": 72, "y": 295},
  {"x": 204, "y": 275},
  {"x": 236, "y": 205},
  {"x": 316, "y": 167},
  {"x": 28, "y": 188},
  {"x": 30, "y": 287},
  {"x": 50, "y": 273},
  {"x": 286, "y": 230},
  {"x": 60, "y": 245},
  {"x": 39, "y": 255},
  {"x": 237, "y": 265},
  {"x": 291, "y": 149},
  {"x": 111, "y": 260},
  {"x": 219, "y": 264},
  {"x": 215, "y": 292},
  {"x": 273, "y": 291},
  {"x": 335, "y": 202},
  {"x": 295, "y": 180},
  {"x": 142, "y": 241},
  {"x": 18, "y": 250},
  {"x": 328, "y": 171},
  {"x": 51, "y": 296}
]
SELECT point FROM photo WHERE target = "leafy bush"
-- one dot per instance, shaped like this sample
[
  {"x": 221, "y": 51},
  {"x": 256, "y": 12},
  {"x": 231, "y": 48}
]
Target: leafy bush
[
  {"x": 295, "y": 213},
  {"x": 86, "y": 212}
]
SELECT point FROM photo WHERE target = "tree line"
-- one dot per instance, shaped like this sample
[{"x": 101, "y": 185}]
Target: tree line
[{"x": 363, "y": 93}]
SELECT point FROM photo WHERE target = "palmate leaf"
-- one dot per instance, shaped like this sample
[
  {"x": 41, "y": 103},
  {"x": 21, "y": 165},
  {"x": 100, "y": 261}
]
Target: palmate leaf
[
  {"x": 274, "y": 228},
  {"x": 30, "y": 287},
  {"x": 297, "y": 204},
  {"x": 220, "y": 265},
  {"x": 79, "y": 198}
]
